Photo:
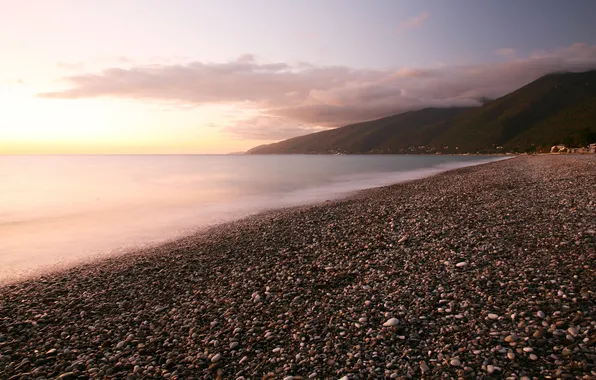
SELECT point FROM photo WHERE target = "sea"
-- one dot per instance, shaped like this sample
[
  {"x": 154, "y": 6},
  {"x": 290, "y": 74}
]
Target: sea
[{"x": 59, "y": 210}]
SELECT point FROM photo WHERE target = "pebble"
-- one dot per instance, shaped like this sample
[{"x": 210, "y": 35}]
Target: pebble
[
  {"x": 391, "y": 322},
  {"x": 461, "y": 264},
  {"x": 492, "y": 316},
  {"x": 67, "y": 376},
  {"x": 218, "y": 303}
]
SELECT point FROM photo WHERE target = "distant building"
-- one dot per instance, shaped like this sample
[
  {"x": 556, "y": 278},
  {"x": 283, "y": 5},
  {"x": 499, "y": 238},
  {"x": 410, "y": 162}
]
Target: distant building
[{"x": 559, "y": 149}]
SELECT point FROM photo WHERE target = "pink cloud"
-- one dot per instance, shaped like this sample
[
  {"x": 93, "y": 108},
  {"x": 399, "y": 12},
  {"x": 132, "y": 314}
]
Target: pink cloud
[
  {"x": 295, "y": 98},
  {"x": 267, "y": 127},
  {"x": 413, "y": 22}
]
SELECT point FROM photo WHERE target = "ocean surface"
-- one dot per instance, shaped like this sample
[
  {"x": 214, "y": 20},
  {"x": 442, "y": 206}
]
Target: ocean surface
[{"x": 59, "y": 210}]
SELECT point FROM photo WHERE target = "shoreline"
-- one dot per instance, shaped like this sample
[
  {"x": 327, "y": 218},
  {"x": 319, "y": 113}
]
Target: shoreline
[
  {"x": 249, "y": 206},
  {"x": 306, "y": 290}
]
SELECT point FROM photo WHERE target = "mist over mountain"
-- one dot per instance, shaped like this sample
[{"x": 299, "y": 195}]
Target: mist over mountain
[{"x": 558, "y": 108}]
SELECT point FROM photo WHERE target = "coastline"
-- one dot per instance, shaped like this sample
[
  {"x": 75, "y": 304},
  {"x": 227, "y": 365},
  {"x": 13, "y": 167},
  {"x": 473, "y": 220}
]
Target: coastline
[
  {"x": 30, "y": 254},
  {"x": 306, "y": 290}
]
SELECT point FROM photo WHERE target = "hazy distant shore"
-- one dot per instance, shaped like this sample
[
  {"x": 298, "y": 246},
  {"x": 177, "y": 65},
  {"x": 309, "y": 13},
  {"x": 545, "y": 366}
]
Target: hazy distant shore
[{"x": 485, "y": 270}]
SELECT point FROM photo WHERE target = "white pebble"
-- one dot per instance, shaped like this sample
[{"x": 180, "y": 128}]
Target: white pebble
[
  {"x": 391, "y": 322},
  {"x": 215, "y": 358},
  {"x": 455, "y": 362},
  {"x": 461, "y": 264},
  {"x": 492, "y": 316}
]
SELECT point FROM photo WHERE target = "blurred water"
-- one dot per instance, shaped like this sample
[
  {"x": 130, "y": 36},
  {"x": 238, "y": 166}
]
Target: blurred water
[{"x": 57, "y": 210}]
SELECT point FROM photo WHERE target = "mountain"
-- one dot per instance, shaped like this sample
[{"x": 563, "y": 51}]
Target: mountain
[
  {"x": 409, "y": 128},
  {"x": 557, "y": 108}
]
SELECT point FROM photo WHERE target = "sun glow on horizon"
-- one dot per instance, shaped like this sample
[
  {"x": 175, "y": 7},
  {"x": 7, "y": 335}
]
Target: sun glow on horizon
[{"x": 30, "y": 124}]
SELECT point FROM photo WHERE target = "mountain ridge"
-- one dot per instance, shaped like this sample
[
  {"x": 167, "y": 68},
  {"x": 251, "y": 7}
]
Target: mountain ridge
[{"x": 556, "y": 108}]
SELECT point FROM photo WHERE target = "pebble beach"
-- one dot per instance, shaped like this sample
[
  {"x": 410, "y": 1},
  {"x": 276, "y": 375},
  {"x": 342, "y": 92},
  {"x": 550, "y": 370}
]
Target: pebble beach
[{"x": 482, "y": 272}]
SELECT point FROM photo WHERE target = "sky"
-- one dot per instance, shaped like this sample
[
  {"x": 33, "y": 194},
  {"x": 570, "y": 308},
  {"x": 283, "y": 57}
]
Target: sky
[{"x": 174, "y": 76}]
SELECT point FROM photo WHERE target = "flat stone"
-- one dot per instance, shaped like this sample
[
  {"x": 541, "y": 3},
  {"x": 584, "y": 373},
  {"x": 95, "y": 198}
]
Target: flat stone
[
  {"x": 67, "y": 376},
  {"x": 539, "y": 333},
  {"x": 391, "y": 322}
]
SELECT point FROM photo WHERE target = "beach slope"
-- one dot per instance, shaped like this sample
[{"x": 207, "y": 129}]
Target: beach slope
[{"x": 477, "y": 272}]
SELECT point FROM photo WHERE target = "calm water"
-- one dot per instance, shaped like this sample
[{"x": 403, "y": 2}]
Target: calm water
[{"x": 57, "y": 210}]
